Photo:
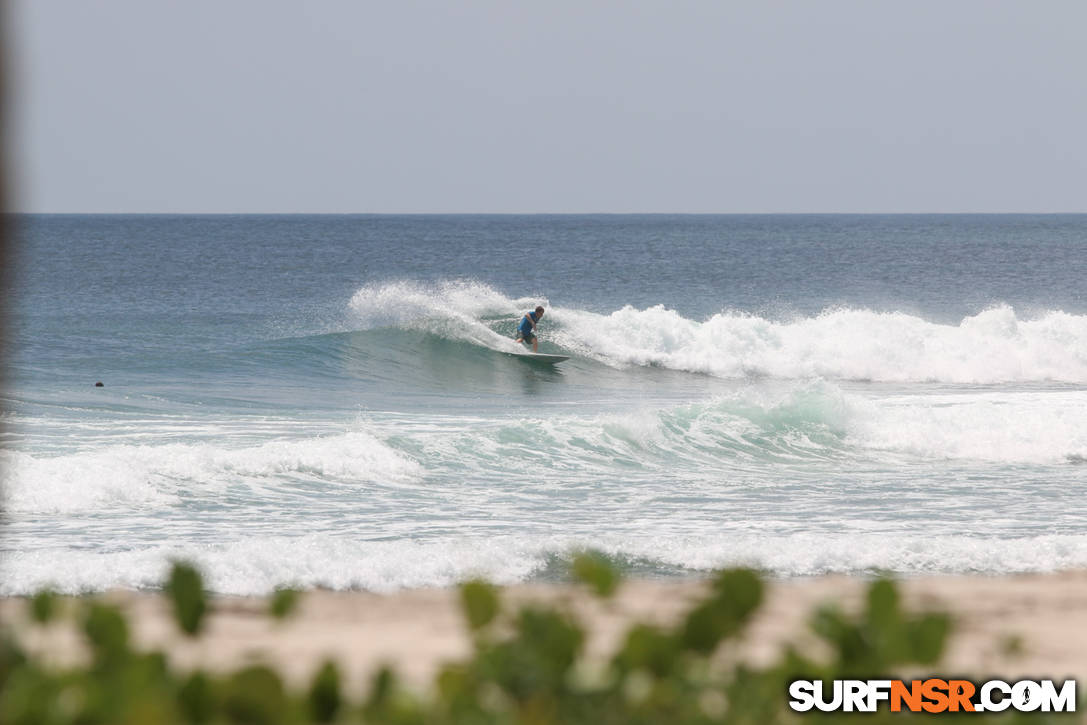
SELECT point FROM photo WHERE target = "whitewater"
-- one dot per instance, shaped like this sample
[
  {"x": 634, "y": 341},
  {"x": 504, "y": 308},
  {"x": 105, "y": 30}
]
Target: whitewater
[{"x": 341, "y": 414}]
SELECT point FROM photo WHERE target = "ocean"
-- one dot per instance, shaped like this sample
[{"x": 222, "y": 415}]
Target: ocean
[{"x": 324, "y": 401}]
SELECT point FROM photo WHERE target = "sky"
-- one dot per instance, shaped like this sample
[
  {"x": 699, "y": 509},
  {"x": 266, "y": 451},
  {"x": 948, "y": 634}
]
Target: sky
[{"x": 558, "y": 106}]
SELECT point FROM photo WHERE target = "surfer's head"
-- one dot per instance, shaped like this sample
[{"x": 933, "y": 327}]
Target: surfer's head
[{"x": 539, "y": 311}]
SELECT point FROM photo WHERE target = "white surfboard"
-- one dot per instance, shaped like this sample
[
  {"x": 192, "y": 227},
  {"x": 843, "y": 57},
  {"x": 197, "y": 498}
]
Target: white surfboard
[{"x": 539, "y": 357}]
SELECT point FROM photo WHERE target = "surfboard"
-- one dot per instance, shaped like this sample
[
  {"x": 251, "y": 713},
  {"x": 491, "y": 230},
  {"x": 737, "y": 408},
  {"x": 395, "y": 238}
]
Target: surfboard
[{"x": 539, "y": 357}]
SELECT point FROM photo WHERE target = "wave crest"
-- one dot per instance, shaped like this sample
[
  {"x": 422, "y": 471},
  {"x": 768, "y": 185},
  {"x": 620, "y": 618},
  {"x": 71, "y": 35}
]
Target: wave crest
[
  {"x": 994, "y": 346},
  {"x": 843, "y": 344},
  {"x": 156, "y": 476}
]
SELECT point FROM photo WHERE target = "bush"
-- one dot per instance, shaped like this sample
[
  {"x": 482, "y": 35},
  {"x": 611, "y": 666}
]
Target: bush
[{"x": 527, "y": 667}]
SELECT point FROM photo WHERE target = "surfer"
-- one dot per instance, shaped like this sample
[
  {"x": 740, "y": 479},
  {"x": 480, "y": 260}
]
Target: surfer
[{"x": 526, "y": 331}]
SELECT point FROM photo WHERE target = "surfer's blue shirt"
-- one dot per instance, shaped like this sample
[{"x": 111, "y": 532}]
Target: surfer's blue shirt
[{"x": 526, "y": 326}]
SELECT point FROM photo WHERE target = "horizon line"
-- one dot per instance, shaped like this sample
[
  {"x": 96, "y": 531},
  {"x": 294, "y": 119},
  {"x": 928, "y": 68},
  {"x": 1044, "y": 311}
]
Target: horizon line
[{"x": 541, "y": 213}]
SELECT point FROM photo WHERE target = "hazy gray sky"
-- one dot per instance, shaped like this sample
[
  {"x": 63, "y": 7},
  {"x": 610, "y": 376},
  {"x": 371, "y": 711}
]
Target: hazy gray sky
[{"x": 556, "y": 106}]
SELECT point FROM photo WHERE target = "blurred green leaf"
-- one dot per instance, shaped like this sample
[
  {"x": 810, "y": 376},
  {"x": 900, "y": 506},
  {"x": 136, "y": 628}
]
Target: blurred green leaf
[
  {"x": 284, "y": 603},
  {"x": 536, "y": 660},
  {"x": 929, "y": 634},
  {"x": 883, "y": 608},
  {"x": 649, "y": 648},
  {"x": 196, "y": 698},
  {"x": 737, "y": 593},
  {"x": 480, "y": 602},
  {"x": 593, "y": 569},
  {"x": 28, "y": 697},
  {"x": 186, "y": 590},
  {"x": 255, "y": 696},
  {"x": 43, "y": 606},
  {"x": 107, "y": 632},
  {"x": 742, "y": 589},
  {"x": 884, "y": 635},
  {"x": 382, "y": 689},
  {"x": 387, "y": 703},
  {"x": 550, "y": 634},
  {"x": 324, "y": 693},
  {"x": 12, "y": 658}
]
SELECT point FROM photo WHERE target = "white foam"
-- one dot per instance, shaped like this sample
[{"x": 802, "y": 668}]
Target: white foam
[
  {"x": 811, "y": 554},
  {"x": 1047, "y": 427},
  {"x": 261, "y": 564},
  {"x": 154, "y": 475},
  {"x": 993, "y": 346}
]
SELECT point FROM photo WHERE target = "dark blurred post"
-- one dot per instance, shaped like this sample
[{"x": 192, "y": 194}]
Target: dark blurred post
[{"x": 5, "y": 221}]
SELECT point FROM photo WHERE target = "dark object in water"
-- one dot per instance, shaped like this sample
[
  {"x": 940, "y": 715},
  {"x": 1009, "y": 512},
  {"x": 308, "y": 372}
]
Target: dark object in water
[{"x": 99, "y": 384}]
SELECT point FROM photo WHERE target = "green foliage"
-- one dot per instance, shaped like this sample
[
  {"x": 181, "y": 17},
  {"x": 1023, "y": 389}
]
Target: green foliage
[
  {"x": 12, "y": 659},
  {"x": 736, "y": 594},
  {"x": 535, "y": 661},
  {"x": 883, "y": 634},
  {"x": 324, "y": 693},
  {"x": 649, "y": 649},
  {"x": 43, "y": 606},
  {"x": 480, "y": 602},
  {"x": 528, "y": 667},
  {"x": 186, "y": 590},
  {"x": 196, "y": 698},
  {"x": 284, "y": 603},
  {"x": 389, "y": 704},
  {"x": 592, "y": 568},
  {"x": 255, "y": 696},
  {"x": 107, "y": 634}
]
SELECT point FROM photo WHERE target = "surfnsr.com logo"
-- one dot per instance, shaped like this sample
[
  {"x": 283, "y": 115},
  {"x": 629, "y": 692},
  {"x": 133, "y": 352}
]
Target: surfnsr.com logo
[{"x": 932, "y": 695}]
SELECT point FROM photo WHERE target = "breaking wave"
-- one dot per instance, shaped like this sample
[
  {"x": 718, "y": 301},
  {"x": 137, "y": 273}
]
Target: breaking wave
[{"x": 997, "y": 345}]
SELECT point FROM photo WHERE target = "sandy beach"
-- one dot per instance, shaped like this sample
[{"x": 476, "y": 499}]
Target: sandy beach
[{"x": 1008, "y": 626}]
